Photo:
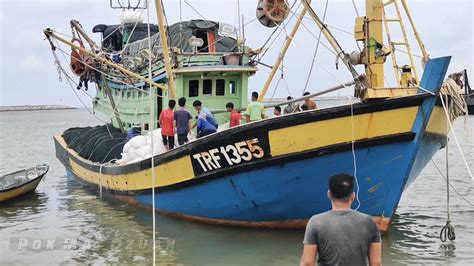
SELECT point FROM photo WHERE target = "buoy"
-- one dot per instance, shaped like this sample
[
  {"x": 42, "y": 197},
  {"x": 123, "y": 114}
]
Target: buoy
[{"x": 272, "y": 12}]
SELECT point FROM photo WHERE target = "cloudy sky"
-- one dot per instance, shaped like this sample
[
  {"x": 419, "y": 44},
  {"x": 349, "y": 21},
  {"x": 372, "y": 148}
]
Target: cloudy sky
[{"x": 28, "y": 75}]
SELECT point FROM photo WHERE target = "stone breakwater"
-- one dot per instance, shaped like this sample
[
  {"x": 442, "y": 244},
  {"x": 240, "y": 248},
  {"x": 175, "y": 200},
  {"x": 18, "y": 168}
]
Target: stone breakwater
[{"x": 34, "y": 107}]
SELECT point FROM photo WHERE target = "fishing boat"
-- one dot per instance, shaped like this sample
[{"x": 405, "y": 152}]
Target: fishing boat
[
  {"x": 21, "y": 182},
  {"x": 271, "y": 173}
]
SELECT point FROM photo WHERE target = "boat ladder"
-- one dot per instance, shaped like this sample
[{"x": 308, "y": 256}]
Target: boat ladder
[{"x": 404, "y": 45}]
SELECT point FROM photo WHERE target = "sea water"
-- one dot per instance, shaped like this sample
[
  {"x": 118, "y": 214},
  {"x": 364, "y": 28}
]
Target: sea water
[{"x": 64, "y": 222}]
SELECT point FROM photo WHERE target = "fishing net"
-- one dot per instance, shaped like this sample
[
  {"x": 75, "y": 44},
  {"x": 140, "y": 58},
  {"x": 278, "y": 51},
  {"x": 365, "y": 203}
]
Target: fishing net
[{"x": 98, "y": 144}]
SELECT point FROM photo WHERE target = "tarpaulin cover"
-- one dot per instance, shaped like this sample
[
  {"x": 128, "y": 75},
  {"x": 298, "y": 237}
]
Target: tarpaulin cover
[{"x": 179, "y": 34}]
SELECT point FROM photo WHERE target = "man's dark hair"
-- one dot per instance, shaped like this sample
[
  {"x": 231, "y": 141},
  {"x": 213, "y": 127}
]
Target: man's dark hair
[
  {"x": 197, "y": 103},
  {"x": 278, "y": 108},
  {"x": 304, "y": 107},
  {"x": 171, "y": 103},
  {"x": 182, "y": 101},
  {"x": 229, "y": 105},
  {"x": 255, "y": 95},
  {"x": 289, "y": 98},
  {"x": 306, "y": 93},
  {"x": 341, "y": 186}
]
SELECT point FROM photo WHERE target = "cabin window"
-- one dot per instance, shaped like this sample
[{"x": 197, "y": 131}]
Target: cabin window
[
  {"x": 207, "y": 87},
  {"x": 116, "y": 92},
  {"x": 232, "y": 87},
  {"x": 193, "y": 88},
  {"x": 123, "y": 94},
  {"x": 129, "y": 94},
  {"x": 139, "y": 94},
  {"x": 220, "y": 87},
  {"x": 145, "y": 127}
]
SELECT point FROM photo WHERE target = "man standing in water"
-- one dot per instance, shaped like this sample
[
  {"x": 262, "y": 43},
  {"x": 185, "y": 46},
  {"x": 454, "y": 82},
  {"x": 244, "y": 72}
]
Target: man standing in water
[{"x": 342, "y": 236}]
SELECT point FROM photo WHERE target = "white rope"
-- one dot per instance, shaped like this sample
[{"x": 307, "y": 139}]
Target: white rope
[
  {"x": 451, "y": 129},
  {"x": 152, "y": 127}
]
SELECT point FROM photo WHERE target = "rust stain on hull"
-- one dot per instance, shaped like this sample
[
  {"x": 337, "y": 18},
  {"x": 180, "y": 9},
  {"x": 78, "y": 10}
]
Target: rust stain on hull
[{"x": 382, "y": 223}]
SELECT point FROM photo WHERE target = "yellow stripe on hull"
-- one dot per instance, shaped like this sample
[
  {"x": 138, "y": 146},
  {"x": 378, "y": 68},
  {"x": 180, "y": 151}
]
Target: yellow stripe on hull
[
  {"x": 437, "y": 123},
  {"x": 169, "y": 173},
  {"x": 339, "y": 130},
  {"x": 19, "y": 191}
]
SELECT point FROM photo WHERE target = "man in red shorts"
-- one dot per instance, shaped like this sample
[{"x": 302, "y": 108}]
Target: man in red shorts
[{"x": 167, "y": 125}]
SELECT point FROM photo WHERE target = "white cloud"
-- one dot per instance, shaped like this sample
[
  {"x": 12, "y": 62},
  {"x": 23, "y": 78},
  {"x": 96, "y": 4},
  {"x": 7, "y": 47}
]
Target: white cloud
[{"x": 31, "y": 62}]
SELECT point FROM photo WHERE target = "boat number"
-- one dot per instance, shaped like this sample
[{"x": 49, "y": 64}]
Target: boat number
[{"x": 243, "y": 151}]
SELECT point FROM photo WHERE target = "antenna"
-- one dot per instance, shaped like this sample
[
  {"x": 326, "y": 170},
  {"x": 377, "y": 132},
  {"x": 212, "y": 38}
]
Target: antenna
[{"x": 128, "y": 4}]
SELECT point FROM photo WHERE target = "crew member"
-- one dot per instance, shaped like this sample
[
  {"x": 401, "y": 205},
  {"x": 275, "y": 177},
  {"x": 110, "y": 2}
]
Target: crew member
[
  {"x": 167, "y": 124},
  {"x": 234, "y": 115},
  {"x": 255, "y": 109}
]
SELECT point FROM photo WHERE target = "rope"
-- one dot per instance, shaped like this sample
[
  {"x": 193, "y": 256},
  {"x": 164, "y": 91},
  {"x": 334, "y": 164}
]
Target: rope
[
  {"x": 456, "y": 138},
  {"x": 455, "y": 190},
  {"x": 452, "y": 89},
  {"x": 315, "y": 50},
  {"x": 152, "y": 127},
  {"x": 447, "y": 232}
]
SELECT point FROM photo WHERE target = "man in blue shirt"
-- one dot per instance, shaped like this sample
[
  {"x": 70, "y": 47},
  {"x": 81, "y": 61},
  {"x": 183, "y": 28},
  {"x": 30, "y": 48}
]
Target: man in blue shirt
[
  {"x": 203, "y": 110},
  {"x": 204, "y": 128}
]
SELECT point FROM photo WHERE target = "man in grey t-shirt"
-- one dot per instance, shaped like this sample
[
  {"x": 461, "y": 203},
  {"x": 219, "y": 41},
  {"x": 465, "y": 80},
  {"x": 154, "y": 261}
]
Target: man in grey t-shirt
[{"x": 342, "y": 236}]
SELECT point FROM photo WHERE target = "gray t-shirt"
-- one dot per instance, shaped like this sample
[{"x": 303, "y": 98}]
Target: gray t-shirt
[{"x": 342, "y": 237}]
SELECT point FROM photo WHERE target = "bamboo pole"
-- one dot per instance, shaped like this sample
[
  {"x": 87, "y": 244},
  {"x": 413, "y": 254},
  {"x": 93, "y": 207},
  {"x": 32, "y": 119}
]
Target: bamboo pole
[
  {"x": 49, "y": 33},
  {"x": 164, "y": 44},
  {"x": 76, "y": 25},
  {"x": 287, "y": 43}
]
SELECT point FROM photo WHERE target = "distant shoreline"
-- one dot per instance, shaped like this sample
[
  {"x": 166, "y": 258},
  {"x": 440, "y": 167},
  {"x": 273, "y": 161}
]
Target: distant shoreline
[{"x": 34, "y": 108}]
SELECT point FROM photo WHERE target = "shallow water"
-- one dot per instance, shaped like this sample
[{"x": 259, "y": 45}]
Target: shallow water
[{"x": 66, "y": 223}]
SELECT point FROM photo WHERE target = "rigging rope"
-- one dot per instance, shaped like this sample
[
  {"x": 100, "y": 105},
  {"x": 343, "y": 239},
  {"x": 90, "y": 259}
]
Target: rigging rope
[
  {"x": 455, "y": 190},
  {"x": 315, "y": 50},
  {"x": 152, "y": 127},
  {"x": 447, "y": 232}
]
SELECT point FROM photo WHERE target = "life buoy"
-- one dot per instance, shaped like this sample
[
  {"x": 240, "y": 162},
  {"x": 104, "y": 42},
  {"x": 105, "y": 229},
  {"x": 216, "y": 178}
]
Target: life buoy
[
  {"x": 77, "y": 58},
  {"x": 272, "y": 12}
]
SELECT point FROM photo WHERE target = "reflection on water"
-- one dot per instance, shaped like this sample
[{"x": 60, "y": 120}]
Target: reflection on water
[{"x": 81, "y": 227}]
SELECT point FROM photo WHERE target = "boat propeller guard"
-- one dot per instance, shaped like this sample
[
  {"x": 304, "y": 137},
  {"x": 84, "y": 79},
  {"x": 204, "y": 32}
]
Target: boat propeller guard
[{"x": 272, "y": 12}]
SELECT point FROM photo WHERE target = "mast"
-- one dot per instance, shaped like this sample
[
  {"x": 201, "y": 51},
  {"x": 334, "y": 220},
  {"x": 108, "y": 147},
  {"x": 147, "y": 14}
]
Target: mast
[
  {"x": 374, "y": 68},
  {"x": 164, "y": 44}
]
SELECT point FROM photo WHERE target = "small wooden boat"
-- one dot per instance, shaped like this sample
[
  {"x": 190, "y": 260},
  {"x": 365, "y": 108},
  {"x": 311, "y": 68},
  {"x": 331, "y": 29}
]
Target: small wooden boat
[{"x": 21, "y": 182}]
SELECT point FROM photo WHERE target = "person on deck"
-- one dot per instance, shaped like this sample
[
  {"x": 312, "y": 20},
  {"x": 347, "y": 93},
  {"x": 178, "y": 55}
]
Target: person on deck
[
  {"x": 277, "y": 111},
  {"x": 183, "y": 121},
  {"x": 309, "y": 103},
  {"x": 234, "y": 115},
  {"x": 167, "y": 124},
  {"x": 255, "y": 109},
  {"x": 134, "y": 131},
  {"x": 204, "y": 128},
  {"x": 341, "y": 236},
  {"x": 204, "y": 111},
  {"x": 291, "y": 107}
]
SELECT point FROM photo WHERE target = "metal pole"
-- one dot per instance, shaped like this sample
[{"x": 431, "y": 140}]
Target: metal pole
[{"x": 338, "y": 87}]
